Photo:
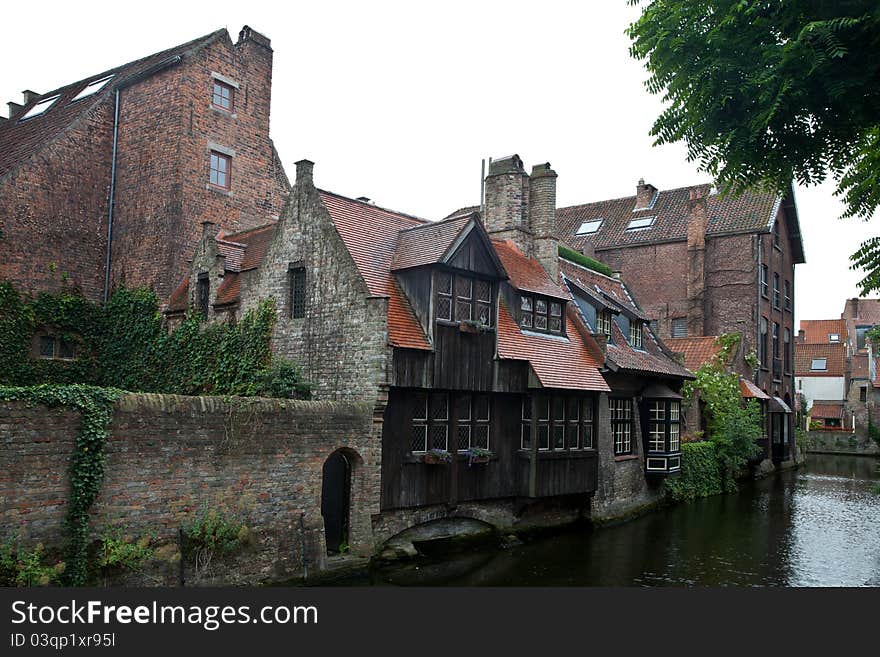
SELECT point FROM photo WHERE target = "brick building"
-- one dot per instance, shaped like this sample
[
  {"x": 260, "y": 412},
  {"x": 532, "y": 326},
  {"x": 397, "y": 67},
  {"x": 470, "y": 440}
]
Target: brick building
[
  {"x": 108, "y": 179},
  {"x": 702, "y": 264},
  {"x": 467, "y": 334}
]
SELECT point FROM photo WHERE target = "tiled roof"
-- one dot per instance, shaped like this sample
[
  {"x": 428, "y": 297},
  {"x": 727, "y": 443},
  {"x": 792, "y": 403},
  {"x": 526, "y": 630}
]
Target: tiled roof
[
  {"x": 816, "y": 331},
  {"x": 750, "y": 390},
  {"x": 21, "y": 139},
  {"x": 370, "y": 234},
  {"x": 859, "y": 366},
  {"x": 525, "y": 273},
  {"x": 558, "y": 362},
  {"x": 245, "y": 250},
  {"x": 750, "y": 212},
  {"x": 696, "y": 350},
  {"x": 835, "y": 355},
  {"x": 229, "y": 290},
  {"x": 651, "y": 358},
  {"x": 827, "y": 409},
  {"x": 178, "y": 302},
  {"x": 869, "y": 315},
  {"x": 427, "y": 243}
]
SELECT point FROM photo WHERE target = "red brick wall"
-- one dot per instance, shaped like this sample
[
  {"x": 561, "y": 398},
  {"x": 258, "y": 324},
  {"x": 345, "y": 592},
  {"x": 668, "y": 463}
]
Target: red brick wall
[
  {"x": 53, "y": 211},
  {"x": 166, "y": 126},
  {"x": 167, "y": 456}
]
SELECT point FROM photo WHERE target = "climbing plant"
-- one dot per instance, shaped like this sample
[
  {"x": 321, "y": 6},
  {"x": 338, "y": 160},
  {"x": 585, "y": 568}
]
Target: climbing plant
[{"x": 95, "y": 406}]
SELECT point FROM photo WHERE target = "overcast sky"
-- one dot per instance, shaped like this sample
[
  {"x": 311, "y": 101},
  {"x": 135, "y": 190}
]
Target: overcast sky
[{"x": 400, "y": 101}]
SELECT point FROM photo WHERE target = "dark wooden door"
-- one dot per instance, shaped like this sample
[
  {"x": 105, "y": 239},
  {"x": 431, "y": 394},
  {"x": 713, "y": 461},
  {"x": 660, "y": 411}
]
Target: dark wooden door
[{"x": 335, "y": 493}]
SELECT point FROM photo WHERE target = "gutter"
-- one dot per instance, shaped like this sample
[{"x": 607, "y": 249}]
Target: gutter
[{"x": 128, "y": 82}]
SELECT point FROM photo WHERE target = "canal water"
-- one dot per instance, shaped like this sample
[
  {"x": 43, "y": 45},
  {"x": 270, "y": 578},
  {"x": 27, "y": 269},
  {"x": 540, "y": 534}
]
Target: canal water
[{"x": 816, "y": 526}]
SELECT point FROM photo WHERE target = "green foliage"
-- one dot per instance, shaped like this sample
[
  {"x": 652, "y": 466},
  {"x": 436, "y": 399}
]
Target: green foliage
[
  {"x": 95, "y": 406},
  {"x": 873, "y": 430},
  {"x": 764, "y": 93},
  {"x": 873, "y": 333},
  {"x": 120, "y": 552},
  {"x": 584, "y": 261},
  {"x": 213, "y": 533},
  {"x": 22, "y": 567},
  {"x": 700, "y": 474},
  {"x": 124, "y": 345}
]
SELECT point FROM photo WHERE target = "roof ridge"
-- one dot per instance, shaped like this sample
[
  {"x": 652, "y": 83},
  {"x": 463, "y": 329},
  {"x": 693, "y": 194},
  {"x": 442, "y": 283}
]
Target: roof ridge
[
  {"x": 404, "y": 215},
  {"x": 438, "y": 222},
  {"x": 592, "y": 271},
  {"x": 633, "y": 196},
  {"x": 229, "y": 237}
]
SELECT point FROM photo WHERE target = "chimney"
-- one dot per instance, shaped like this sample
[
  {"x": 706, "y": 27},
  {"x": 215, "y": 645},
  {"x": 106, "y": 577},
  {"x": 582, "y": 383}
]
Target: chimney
[
  {"x": 304, "y": 169},
  {"x": 802, "y": 335},
  {"x": 542, "y": 217},
  {"x": 210, "y": 229},
  {"x": 364, "y": 199},
  {"x": 855, "y": 308},
  {"x": 507, "y": 203},
  {"x": 616, "y": 274},
  {"x": 697, "y": 222},
  {"x": 645, "y": 194},
  {"x": 248, "y": 34},
  {"x": 29, "y": 95},
  {"x": 14, "y": 109}
]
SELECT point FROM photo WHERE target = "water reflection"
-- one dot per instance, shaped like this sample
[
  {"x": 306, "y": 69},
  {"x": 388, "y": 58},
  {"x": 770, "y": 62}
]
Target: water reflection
[{"x": 819, "y": 526}]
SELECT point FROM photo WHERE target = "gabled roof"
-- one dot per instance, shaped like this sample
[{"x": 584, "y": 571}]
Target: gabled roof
[
  {"x": 827, "y": 408},
  {"x": 370, "y": 234},
  {"x": 526, "y": 274},
  {"x": 20, "y": 138},
  {"x": 651, "y": 359},
  {"x": 696, "y": 350},
  {"x": 834, "y": 355},
  {"x": 751, "y": 212},
  {"x": 427, "y": 243},
  {"x": 246, "y": 250},
  {"x": 558, "y": 362},
  {"x": 816, "y": 331}
]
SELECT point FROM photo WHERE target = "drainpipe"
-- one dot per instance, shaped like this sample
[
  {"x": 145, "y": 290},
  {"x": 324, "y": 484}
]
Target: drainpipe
[
  {"x": 143, "y": 75},
  {"x": 112, "y": 197}
]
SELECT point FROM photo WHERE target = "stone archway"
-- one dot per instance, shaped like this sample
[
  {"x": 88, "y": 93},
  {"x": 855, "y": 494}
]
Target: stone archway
[{"x": 336, "y": 501}]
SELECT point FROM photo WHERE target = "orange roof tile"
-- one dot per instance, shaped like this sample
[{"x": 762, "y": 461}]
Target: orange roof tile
[
  {"x": 750, "y": 390},
  {"x": 526, "y": 273},
  {"x": 558, "y": 362},
  {"x": 255, "y": 242},
  {"x": 178, "y": 302},
  {"x": 696, "y": 350},
  {"x": 370, "y": 234},
  {"x": 427, "y": 243},
  {"x": 827, "y": 409},
  {"x": 834, "y": 355},
  {"x": 229, "y": 290},
  {"x": 817, "y": 331},
  {"x": 859, "y": 367}
]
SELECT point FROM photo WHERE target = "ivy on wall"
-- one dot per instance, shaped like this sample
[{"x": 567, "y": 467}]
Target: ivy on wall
[
  {"x": 700, "y": 473},
  {"x": 95, "y": 406},
  {"x": 125, "y": 345}
]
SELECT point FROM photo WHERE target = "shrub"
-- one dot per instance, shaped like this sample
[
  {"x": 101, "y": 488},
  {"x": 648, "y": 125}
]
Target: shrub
[
  {"x": 22, "y": 567},
  {"x": 213, "y": 533},
  {"x": 120, "y": 552},
  {"x": 584, "y": 261},
  {"x": 700, "y": 474}
]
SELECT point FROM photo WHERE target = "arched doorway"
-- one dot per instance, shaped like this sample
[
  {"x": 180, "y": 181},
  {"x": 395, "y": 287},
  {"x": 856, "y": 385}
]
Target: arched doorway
[{"x": 335, "y": 496}]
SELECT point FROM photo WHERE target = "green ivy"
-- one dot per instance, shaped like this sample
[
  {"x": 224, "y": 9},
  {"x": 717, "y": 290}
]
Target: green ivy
[
  {"x": 95, "y": 406},
  {"x": 700, "y": 474},
  {"x": 584, "y": 261},
  {"x": 125, "y": 345}
]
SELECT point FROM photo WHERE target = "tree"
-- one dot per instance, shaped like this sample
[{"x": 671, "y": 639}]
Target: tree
[{"x": 767, "y": 92}]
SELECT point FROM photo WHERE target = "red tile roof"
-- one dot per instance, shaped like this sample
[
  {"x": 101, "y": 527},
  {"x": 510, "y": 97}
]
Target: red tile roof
[
  {"x": 835, "y": 355},
  {"x": 827, "y": 409},
  {"x": 370, "y": 234},
  {"x": 426, "y": 244},
  {"x": 859, "y": 366},
  {"x": 21, "y": 139},
  {"x": 558, "y": 362},
  {"x": 750, "y": 390},
  {"x": 229, "y": 290},
  {"x": 178, "y": 302},
  {"x": 696, "y": 350},
  {"x": 751, "y": 212},
  {"x": 525, "y": 273},
  {"x": 651, "y": 359},
  {"x": 816, "y": 331},
  {"x": 245, "y": 250}
]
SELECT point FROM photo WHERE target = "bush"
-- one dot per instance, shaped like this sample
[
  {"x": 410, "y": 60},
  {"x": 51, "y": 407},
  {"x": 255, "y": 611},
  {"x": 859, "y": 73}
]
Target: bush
[
  {"x": 120, "y": 552},
  {"x": 22, "y": 567},
  {"x": 700, "y": 474},
  {"x": 584, "y": 261},
  {"x": 213, "y": 533}
]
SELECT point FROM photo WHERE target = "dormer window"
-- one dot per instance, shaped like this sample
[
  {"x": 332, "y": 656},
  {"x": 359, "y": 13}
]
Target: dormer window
[
  {"x": 541, "y": 314},
  {"x": 462, "y": 298},
  {"x": 589, "y": 227},
  {"x": 603, "y": 322},
  {"x": 641, "y": 223},
  {"x": 635, "y": 334}
]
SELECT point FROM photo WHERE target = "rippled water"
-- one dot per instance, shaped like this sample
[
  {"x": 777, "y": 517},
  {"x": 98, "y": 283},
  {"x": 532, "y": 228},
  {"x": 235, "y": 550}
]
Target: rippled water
[{"x": 817, "y": 526}]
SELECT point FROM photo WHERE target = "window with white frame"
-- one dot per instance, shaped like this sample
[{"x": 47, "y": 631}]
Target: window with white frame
[
  {"x": 92, "y": 88},
  {"x": 463, "y": 298},
  {"x": 621, "y": 425},
  {"x": 603, "y": 322},
  {"x": 819, "y": 364},
  {"x": 541, "y": 314},
  {"x": 473, "y": 421},
  {"x": 664, "y": 425},
  {"x": 40, "y": 107},
  {"x": 430, "y": 421},
  {"x": 589, "y": 227},
  {"x": 635, "y": 334},
  {"x": 641, "y": 223}
]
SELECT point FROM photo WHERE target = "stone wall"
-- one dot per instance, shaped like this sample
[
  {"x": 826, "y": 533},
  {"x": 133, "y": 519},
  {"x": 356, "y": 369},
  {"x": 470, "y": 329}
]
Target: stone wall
[
  {"x": 169, "y": 456},
  {"x": 841, "y": 442}
]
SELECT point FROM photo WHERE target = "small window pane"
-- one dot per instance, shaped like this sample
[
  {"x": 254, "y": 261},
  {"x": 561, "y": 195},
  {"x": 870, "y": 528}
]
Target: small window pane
[
  {"x": 572, "y": 434},
  {"x": 527, "y": 319},
  {"x": 572, "y": 409},
  {"x": 526, "y": 303},
  {"x": 66, "y": 349},
  {"x": 481, "y": 436},
  {"x": 444, "y": 308},
  {"x": 420, "y": 406},
  {"x": 419, "y": 441},
  {"x": 556, "y": 325},
  {"x": 544, "y": 410},
  {"x": 463, "y": 287},
  {"x": 464, "y": 437},
  {"x": 47, "y": 346},
  {"x": 438, "y": 436},
  {"x": 484, "y": 314},
  {"x": 543, "y": 437},
  {"x": 556, "y": 309},
  {"x": 444, "y": 284},
  {"x": 558, "y": 437},
  {"x": 541, "y": 306},
  {"x": 483, "y": 290},
  {"x": 526, "y": 438},
  {"x": 558, "y": 409},
  {"x": 463, "y": 310},
  {"x": 541, "y": 322},
  {"x": 464, "y": 408},
  {"x": 674, "y": 411},
  {"x": 481, "y": 408},
  {"x": 439, "y": 406}
]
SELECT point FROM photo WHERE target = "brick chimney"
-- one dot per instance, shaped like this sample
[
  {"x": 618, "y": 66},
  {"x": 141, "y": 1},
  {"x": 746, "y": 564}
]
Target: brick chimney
[
  {"x": 304, "y": 170},
  {"x": 542, "y": 217},
  {"x": 255, "y": 58},
  {"x": 29, "y": 95},
  {"x": 697, "y": 222},
  {"x": 210, "y": 229},
  {"x": 645, "y": 193},
  {"x": 14, "y": 109},
  {"x": 801, "y": 336},
  {"x": 507, "y": 202}
]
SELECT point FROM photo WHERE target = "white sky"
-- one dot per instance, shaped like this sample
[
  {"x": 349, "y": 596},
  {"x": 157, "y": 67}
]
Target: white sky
[{"x": 400, "y": 101}]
